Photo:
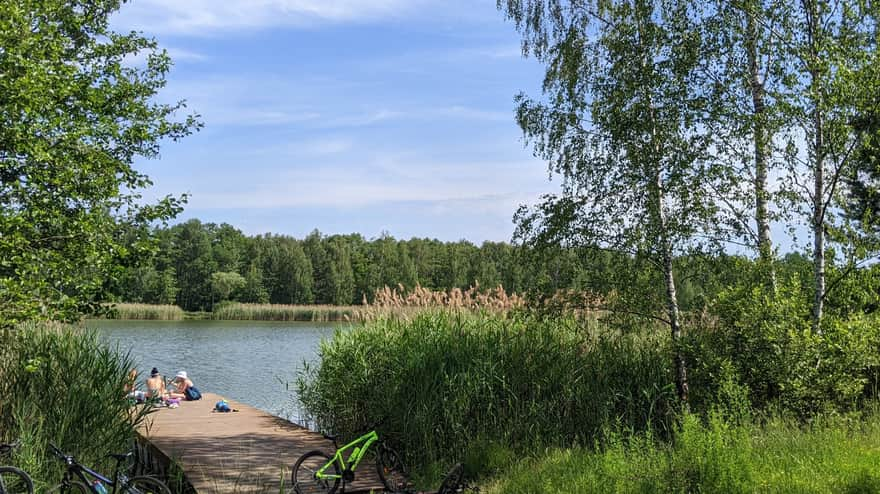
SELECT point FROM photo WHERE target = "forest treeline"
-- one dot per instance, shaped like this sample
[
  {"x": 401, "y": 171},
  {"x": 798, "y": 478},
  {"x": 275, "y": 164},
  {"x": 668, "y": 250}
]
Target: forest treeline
[{"x": 196, "y": 265}]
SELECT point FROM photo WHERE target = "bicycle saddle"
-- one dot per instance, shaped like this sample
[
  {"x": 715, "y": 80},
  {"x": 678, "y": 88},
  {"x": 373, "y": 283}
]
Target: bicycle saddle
[{"x": 120, "y": 456}]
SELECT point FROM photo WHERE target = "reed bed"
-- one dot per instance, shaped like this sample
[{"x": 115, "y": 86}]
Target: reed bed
[
  {"x": 61, "y": 384},
  {"x": 145, "y": 312},
  {"x": 445, "y": 380},
  {"x": 474, "y": 298},
  {"x": 235, "y": 311}
]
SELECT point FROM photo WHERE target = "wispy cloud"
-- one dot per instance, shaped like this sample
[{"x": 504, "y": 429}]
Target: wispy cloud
[{"x": 203, "y": 17}]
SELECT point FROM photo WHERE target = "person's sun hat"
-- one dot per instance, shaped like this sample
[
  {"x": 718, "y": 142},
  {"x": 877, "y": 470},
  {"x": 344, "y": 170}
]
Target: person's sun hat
[{"x": 181, "y": 375}]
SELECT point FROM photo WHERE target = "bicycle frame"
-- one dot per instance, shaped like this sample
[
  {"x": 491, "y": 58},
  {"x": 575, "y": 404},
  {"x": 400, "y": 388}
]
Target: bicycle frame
[
  {"x": 81, "y": 471},
  {"x": 354, "y": 459}
]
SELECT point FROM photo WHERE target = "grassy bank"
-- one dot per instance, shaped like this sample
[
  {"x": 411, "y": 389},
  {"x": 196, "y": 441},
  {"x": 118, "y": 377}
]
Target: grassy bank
[
  {"x": 61, "y": 384},
  {"x": 146, "y": 312},
  {"x": 831, "y": 455}
]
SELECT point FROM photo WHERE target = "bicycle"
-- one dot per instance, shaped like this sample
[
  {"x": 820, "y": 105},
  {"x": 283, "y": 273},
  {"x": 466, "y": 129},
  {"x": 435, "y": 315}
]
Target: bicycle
[
  {"x": 14, "y": 480},
  {"x": 120, "y": 483},
  {"x": 317, "y": 472}
]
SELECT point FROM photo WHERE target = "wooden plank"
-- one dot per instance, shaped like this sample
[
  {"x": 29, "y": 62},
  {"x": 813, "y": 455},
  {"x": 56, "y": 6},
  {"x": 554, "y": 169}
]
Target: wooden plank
[{"x": 238, "y": 452}]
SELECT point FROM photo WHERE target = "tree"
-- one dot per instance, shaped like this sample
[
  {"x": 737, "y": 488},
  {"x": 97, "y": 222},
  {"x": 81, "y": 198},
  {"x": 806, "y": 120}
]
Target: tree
[
  {"x": 75, "y": 118},
  {"x": 833, "y": 74},
  {"x": 226, "y": 284},
  {"x": 619, "y": 126},
  {"x": 744, "y": 63}
]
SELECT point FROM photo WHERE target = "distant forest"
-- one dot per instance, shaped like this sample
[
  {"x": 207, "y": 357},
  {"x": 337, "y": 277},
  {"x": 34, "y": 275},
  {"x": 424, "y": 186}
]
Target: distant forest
[{"x": 199, "y": 264}]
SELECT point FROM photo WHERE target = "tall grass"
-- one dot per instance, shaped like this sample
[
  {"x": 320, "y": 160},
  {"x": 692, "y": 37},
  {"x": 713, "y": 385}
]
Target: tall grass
[
  {"x": 235, "y": 311},
  {"x": 441, "y": 381},
  {"x": 62, "y": 385},
  {"x": 715, "y": 456},
  {"x": 145, "y": 312}
]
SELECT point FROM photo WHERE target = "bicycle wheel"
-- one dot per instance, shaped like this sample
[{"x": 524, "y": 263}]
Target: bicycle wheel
[
  {"x": 452, "y": 482},
  {"x": 145, "y": 484},
  {"x": 392, "y": 472},
  {"x": 72, "y": 488},
  {"x": 15, "y": 481},
  {"x": 304, "y": 470}
]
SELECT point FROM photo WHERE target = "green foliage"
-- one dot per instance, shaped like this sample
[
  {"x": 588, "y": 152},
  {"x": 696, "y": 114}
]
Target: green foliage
[
  {"x": 62, "y": 385},
  {"x": 76, "y": 115},
  {"x": 713, "y": 456},
  {"x": 443, "y": 379},
  {"x": 226, "y": 285},
  {"x": 763, "y": 341}
]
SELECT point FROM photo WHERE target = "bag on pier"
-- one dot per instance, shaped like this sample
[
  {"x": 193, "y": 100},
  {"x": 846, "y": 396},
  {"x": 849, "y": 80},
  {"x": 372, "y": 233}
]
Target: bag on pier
[
  {"x": 192, "y": 394},
  {"x": 222, "y": 406}
]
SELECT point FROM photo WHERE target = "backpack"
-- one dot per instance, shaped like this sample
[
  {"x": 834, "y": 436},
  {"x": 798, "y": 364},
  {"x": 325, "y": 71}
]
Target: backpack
[
  {"x": 222, "y": 406},
  {"x": 192, "y": 394}
]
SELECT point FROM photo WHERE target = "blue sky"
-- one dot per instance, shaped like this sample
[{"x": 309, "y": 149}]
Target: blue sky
[{"x": 363, "y": 116}]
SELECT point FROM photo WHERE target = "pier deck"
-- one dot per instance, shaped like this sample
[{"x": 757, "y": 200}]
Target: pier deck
[{"x": 248, "y": 451}]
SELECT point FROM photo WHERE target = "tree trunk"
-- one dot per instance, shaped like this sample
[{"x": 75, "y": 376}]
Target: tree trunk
[
  {"x": 761, "y": 143},
  {"x": 818, "y": 157}
]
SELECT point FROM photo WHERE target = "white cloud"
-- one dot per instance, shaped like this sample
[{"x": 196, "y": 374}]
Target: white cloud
[
  {"x": 492, "y": 186},
  {"x": 202, "y": 17}
]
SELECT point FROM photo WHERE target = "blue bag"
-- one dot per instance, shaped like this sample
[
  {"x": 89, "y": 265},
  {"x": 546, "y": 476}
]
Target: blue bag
[{"x": 192, "y": 394}]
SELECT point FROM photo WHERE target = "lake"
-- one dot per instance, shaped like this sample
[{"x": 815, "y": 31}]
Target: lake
[{"x": 249, "y": 361}]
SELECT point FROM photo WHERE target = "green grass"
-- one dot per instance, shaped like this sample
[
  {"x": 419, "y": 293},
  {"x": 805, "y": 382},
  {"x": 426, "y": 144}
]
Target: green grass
[
  {"x": 440, "y": 380},
  {"x": 837, "y": 455},
  {"x": 60, "y": 384},
  {"x": 146, "y": 312},
  {"x": 234, "y": 311}
]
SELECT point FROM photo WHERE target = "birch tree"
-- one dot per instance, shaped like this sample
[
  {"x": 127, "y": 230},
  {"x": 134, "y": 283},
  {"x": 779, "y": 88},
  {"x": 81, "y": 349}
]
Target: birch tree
[{"x": 619, "y": 124}]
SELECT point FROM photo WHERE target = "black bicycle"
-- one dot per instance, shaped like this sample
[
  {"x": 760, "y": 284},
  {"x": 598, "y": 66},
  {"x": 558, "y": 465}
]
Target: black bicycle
[
  {"x": 76, "y": 478},
  {"x": 13, "y": 480}
]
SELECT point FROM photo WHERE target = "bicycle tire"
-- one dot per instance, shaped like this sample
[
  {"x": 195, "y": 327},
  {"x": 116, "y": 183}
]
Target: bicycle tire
[
  {"x": 15, "y": 481},
  {"x": 72, "y": 488},
  {"x": 145, "y": 484},
  {"x": 391, "y": 469},
  {"x": 303, "y": 476},
  {"x": 452, "y": 482}
]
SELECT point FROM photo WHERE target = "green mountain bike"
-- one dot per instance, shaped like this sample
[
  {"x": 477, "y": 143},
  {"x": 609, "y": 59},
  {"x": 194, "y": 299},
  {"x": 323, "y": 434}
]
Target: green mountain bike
[{"x": 317, "y": 472}]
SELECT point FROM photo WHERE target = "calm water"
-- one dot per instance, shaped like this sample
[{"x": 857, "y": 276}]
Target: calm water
[{"x": 252, "y": 362}]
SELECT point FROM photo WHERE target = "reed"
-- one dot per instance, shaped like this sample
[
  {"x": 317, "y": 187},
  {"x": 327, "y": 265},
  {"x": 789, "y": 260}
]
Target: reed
[
  {"x": 145, "y": 312},
  {"x": 61, "y": 384},
  {"x": 444, "y": 380},
  {"x": 276, "y": 312}
]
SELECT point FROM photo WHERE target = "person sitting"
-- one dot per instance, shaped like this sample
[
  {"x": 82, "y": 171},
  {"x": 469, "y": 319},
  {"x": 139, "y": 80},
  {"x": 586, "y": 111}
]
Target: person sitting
[
  {"x": 156, "y": 386},
  {"x": 184, "y": 388},
  {"x": 130, "y": 387}
]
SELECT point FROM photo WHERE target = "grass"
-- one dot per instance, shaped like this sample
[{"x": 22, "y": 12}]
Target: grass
[
  {"x": 146, "y": 312},
  {"x": 61, "y": 384},
  {"x": 834, "y": 455},
  {"x": 442, "y": 380}
]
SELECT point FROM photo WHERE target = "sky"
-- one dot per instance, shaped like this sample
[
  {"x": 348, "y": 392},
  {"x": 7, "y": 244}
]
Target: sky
[{"x": 366, "y": 116}]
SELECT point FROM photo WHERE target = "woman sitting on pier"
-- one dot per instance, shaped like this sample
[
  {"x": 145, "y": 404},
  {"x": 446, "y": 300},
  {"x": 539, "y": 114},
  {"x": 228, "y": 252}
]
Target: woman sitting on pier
[{"x": 184, "y": 388}]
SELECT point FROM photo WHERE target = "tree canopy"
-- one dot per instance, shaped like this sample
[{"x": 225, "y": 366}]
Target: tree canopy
[{"x": 78, "y": 110}]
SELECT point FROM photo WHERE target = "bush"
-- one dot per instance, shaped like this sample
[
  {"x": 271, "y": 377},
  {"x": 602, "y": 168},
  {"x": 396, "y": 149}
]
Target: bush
[
  {"x": 61, "y": 385},
  {"x": 763, "y": 346},
  {"x": 441, "y": 381}
]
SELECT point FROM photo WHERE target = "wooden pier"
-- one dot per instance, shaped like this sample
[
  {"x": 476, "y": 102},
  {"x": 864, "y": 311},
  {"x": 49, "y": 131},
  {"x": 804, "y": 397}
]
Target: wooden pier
[{"x": 248, "y": 451}]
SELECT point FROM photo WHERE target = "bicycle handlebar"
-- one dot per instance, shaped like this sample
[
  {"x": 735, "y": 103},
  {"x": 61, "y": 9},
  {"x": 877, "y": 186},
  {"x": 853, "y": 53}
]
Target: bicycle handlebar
[{"x": 61, "y": 455}]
